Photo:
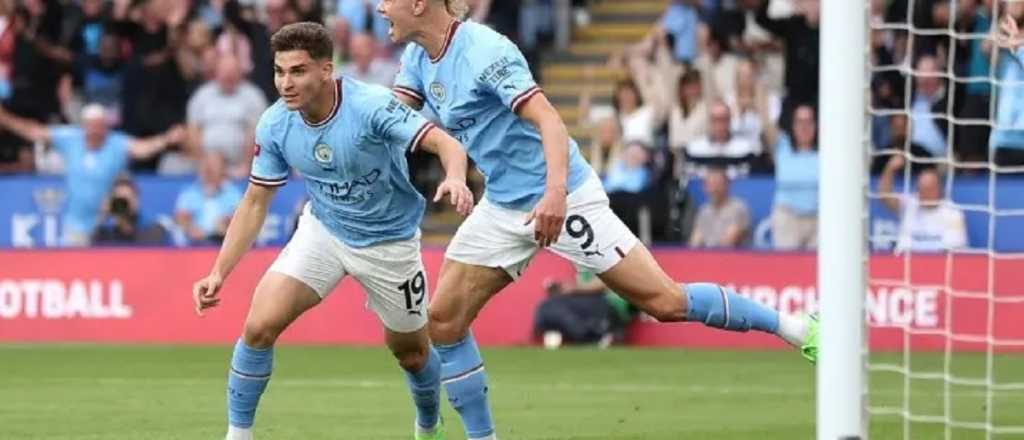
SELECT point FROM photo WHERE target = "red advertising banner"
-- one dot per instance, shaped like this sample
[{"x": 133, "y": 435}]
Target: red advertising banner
[{"x": 144, "y": 295}]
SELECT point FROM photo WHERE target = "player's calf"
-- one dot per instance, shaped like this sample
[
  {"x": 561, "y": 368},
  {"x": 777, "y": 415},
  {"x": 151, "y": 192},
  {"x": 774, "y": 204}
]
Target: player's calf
[
  {"x": 465, "y": 380},
  {"x": 247, "y": 380},
  {"x": 422, "y": 366}
]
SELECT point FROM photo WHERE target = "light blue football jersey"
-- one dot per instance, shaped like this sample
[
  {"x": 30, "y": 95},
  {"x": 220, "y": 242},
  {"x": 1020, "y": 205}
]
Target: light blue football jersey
[
  {"x": 476, "y": 86},
  {"x": 353, "y": 162}
]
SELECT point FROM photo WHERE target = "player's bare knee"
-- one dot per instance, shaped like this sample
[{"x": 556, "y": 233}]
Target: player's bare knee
[
  {"x": 259, "y": 334},
  {"x": 447, "y": 332},
  {"x": 446, "y": 327},
  {"x": 413, "y": 359}
]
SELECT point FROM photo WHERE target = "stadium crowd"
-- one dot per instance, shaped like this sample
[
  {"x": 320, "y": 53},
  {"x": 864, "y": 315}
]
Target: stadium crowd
[{"x": 720, "y": 90}]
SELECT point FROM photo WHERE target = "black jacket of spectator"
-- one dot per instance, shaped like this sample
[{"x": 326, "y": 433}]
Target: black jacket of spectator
[
  {"x": 155, "y": 93},
  {"x": 262, "y": 74},
  {"x": 144, "y": 234},
  {"x": 35, "y": 74},
  {"x": 801, "y": 41}
]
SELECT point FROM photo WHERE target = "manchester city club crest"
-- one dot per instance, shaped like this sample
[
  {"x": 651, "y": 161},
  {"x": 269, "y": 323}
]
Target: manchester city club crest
[
  {"x": 323, "y": 154},
  {"x": 437, "y": 91}
]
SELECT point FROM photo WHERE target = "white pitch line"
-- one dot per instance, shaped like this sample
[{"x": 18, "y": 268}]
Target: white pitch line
[{"x": 625, "y": 388}]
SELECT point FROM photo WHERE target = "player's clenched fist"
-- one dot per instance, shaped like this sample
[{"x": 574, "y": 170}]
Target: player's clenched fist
[{"x": 204, "y": 292}]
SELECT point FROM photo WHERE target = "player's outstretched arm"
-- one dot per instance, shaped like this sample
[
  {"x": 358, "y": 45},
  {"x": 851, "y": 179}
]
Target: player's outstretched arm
[
  {"x": 242, "y": 231},
  {"x": 453, "y": 159},
  {"x": 549, "y": 214}
]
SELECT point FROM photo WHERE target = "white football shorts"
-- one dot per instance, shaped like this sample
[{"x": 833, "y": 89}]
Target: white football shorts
[
  {"x": 391, "y": 273},
  {"x": 593, "y": 237}
]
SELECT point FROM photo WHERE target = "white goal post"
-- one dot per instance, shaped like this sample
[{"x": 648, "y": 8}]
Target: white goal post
[{"x": 842, "y": 232}]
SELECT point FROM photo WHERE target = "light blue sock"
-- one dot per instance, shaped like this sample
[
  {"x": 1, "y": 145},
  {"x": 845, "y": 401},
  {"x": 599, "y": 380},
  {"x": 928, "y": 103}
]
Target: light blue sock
[
  {"x": 463, "y": 376},
  {"x": 248, "y": 378},
  {"x": 719, "y": 307},
  {"x": 425, "y": 386}
]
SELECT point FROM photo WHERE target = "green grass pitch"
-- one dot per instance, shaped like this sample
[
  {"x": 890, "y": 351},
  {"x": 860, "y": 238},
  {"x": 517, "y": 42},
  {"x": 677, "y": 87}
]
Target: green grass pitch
[{"x": 91, "y": 392}]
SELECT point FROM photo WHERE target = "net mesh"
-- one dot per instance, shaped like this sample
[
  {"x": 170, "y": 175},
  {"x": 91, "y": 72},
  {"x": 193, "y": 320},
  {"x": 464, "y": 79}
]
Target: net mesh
[{"x": 946, "y": 356}]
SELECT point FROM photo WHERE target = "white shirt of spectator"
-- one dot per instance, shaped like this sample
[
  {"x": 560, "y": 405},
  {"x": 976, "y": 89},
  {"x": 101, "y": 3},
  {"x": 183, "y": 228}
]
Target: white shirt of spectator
[
  {"x": 930, "y": 228},
  {"x": 685, "y": 129},
  {"x": 747, "y": 124},
  {"x": 735, "y": 147},
  {"x": 638, "y": 126},
  {"x": 719, "y": 76}
]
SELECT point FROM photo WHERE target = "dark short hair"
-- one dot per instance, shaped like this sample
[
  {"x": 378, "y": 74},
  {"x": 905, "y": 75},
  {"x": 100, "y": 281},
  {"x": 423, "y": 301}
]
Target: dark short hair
[
  {"x": 626, "y": 83},
  {"x": 125, "y": 180},
  {"x": 308, "y": 36}
]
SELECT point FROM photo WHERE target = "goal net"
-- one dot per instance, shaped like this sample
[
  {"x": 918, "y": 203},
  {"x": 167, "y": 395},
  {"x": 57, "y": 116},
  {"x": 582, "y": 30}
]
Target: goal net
[{"x": 945, "y": 307}]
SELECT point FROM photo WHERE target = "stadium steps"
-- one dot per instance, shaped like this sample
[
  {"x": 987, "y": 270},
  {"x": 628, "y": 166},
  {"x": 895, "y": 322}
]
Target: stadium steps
[{"x": 615, "y": 24}]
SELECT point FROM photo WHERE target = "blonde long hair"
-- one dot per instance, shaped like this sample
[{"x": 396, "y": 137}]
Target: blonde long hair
[{"x": 457, "y": 8}]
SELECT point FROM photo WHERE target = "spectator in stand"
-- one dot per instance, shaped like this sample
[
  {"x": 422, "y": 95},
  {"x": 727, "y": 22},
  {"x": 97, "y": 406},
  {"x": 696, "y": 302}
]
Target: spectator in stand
[
  {"x": 360, "y": 17},
  {"x": 1007, "y": 141},
  {"x": 503, "y": 16},
  {"x": 222, "y": 117},
  {"x": 204, "y": 208},
  {"x": 735, "y": 24},
  {"x": 628, "y": 173},
  {"x": 309, "y": 10},
  {"x": 636, "y": 119},
  {"x": 233, "y": 42},
  {"x": 148, "y": 110},
  {"x": 365, "y": 65},
  {"x": 688, "y": 118},
  {"x": 342, "y": 32},
  {"x": 123, "y": 223},
  {"x": 974, "y": 98},
  {"x": 258, "y": 35},
  {"x": 583, "y": 312},
  {"x": 88, "y": 28},
  {"x": 928, "y": 221},
  {"x": 795, "y": 210},
  {"x": 280, "y": 13},
  {"x": 929, "y": 98},
  {"x": 38, "y": 66},
  {"x": 40, "y": 62},
  {"x": 210, "y": 13},
  {"x": 751, "y": 104},
  {"x": 195, "y": 55},
  {"x": 101, "y": 75},
  {"x": 605, "y": 146},
  {"x": 720, "y": 148},
  {"x": 93, "y": 157},
  {"x": 723, "y": 221},
  {"x": 718, "y": 66},
  {"x": 896, "y": 145},
  {"x": 799, "y": 34},
  {"x": 626, "y": 181}
]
